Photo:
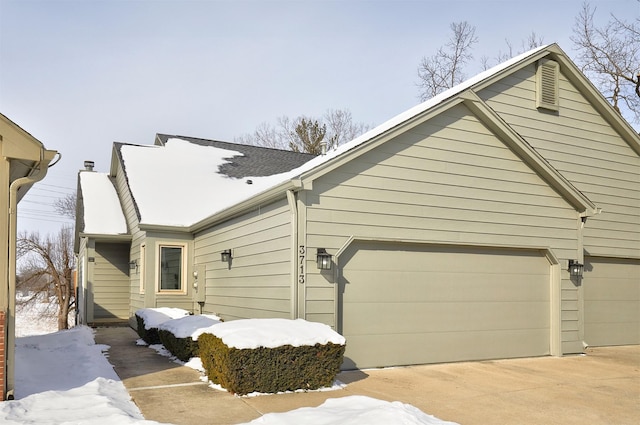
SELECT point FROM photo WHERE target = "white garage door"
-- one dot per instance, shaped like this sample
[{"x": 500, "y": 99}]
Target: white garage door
[
  {"x": 611, "y": 301},
  {"x": 408, "y": 304}
]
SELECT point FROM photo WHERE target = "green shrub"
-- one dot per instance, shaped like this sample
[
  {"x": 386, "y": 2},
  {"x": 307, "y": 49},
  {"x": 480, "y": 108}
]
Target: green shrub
[
  {"x": 150, "y": 336},
  {"x": 270, "y": 370},
  {"x": 182, "y": 348}
]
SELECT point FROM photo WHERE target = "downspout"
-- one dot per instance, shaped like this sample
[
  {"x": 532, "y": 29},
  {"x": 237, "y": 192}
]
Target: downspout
[
  {"x": 10, "y": 348},
  {"x": 293, "y": 209}
]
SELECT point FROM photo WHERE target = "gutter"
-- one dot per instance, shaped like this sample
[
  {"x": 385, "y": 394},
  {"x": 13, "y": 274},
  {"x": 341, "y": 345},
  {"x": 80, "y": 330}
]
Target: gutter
[{"x": 40, "y": 171}]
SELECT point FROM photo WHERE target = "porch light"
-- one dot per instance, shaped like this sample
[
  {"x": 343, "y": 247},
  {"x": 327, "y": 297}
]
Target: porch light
[
  {"x": 133, "y": 265},
  {"x": 575, "y": 268},
  {"x": 225, "y": 256},
  {"x": 323, "y": 259}
]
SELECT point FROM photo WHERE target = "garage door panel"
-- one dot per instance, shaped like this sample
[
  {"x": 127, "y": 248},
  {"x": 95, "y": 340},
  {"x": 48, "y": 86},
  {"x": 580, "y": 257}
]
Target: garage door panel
[
  {"x": 601, "y": 311},
  {"x": 611, "y": 301},
  {"x": 614, "y": 335},
  {"x": 444, "y": 317},
  {"x": 625, "y": 289},
  {"x": 441, "y": 347},
  {"x": 385, "y": 286},
  {"x": 408, "y": 304},
  {"x": 480, "y": 260}
]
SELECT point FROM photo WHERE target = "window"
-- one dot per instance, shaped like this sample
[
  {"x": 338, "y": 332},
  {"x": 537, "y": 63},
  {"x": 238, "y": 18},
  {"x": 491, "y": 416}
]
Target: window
[{"x": 171, "y": 267}]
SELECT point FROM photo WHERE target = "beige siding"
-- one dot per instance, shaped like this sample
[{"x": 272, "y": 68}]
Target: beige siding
[
  {"x": 137, "y": 298},
  {"x": 579, "y": 143},
  {"x": 258, "y": 281},
  {"x": 111, "y": 282},
  {"x": 449, "y": 180}
]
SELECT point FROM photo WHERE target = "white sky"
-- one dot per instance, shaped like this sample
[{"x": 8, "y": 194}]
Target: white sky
[{"x": 81, "y": 75}]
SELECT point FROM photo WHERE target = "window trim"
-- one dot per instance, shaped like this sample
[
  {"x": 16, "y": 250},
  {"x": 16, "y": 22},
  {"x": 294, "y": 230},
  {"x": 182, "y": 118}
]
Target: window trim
[{"x": 183, "y": 266}]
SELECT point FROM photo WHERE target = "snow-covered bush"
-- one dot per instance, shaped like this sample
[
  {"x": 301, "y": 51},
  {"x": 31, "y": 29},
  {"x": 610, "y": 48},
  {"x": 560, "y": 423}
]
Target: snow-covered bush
[
  {"x": 271, "y": 355},
  {"x": 148, "y": 320},
  {"x": 180, "y": 336}
]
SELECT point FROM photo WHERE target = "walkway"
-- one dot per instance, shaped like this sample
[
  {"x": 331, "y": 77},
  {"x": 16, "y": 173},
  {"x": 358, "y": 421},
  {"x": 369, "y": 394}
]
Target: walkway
[{"x": 602, "y": 387}]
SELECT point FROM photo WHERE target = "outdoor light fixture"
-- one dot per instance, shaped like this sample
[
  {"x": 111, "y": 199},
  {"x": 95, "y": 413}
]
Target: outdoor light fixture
[
  {"x": 575, "y": 268},
  {"x": 225, "y": 256},
  {"x": 324, "y": 259},
  {"x": 133, "y": 265}
]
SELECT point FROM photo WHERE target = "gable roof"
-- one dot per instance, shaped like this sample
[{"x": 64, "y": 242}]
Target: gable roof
[
  {"x": 229, "y": 178},
  {"x": 465, "y": 92},
  {"x": 253, "y": 161},
  {"x": 101, "y": 212},
  {"x": 181, "y": 180}
]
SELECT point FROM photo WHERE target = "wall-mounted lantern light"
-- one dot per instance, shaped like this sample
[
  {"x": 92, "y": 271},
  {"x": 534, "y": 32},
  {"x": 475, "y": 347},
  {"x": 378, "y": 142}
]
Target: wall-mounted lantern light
[
  {"x": 133, "y": 265},
  {"x": 575, "y": 268},
  {"x": 323, "y": 259},
  {"x": 225, "y": 256}
]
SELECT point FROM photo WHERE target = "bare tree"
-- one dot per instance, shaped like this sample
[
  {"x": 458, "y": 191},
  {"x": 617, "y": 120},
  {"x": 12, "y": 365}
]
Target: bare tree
[
  {"x": 610, "y": 56},
  {"x": 290, "y": 133},
  {"x": 47, "y": 264},
  {"x": 66, "y": 206},
  {"x": 444, "y": 69},
  {"x": 532, "y": 41}
]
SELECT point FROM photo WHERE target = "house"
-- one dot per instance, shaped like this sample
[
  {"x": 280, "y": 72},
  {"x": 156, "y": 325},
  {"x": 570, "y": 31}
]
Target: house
[
  {"x": 499, "y": 219},
  {"x": 24, "y": 161}
]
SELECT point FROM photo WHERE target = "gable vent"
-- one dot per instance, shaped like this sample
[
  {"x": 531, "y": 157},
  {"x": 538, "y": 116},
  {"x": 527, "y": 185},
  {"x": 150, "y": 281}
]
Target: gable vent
[{"x": 547, "y": 85}]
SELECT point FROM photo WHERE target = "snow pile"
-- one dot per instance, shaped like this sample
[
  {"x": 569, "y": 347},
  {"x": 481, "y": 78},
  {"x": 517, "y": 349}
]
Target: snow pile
[
  {"x": 190, "y": 326},
  {"x": 271, "y": 333},
  {"x": 352, "y": 410},
  {"x": 63, "y": 378},
  {"x": 153, "y": 317}
]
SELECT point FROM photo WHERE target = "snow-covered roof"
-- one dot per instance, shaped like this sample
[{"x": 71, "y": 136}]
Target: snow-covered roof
[
  {"x": 102, "y": 211},
  {"x": 183, "y": 182}
]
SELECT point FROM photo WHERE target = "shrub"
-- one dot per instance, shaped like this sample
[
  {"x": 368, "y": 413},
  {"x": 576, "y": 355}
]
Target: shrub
[
  {"x": 150, "y": 336},
  {"x": 182, "y": 348},
  {"x": 148, "y": 320},
  {"x": 270, "y": 370}
]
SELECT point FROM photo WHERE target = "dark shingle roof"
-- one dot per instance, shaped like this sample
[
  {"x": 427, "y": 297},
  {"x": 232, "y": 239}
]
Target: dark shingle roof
[{"x": 256, "y": 161}]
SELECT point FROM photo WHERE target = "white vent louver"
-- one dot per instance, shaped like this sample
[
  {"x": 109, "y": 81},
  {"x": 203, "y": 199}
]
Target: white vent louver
[{"x": 547, "y": 85}]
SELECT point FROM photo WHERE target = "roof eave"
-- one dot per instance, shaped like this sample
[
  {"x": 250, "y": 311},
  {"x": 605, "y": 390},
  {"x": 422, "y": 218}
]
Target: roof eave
[{"x": 235, "y": 210}]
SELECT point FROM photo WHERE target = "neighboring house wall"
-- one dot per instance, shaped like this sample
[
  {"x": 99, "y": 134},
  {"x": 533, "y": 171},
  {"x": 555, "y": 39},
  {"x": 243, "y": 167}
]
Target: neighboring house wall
[
  {"x": 257, "y": 283},
  {"x": 588, "y": 151}
]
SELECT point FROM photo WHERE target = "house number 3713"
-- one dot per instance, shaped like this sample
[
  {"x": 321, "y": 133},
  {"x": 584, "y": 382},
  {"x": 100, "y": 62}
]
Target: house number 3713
[{"x": 302, "y": 252}]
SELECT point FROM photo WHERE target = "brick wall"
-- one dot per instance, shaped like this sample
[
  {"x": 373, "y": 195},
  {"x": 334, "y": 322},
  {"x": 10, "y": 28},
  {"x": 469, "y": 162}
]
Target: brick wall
[{"x": 2, "y": 354}]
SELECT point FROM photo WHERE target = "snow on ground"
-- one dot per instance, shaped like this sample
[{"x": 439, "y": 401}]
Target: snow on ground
[{"x": 64, "y": 378}]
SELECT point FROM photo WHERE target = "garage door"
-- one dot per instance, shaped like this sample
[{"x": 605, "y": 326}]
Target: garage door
[
  {"x": 611, "y": 301},
  {"x": 406, "y": 304}
]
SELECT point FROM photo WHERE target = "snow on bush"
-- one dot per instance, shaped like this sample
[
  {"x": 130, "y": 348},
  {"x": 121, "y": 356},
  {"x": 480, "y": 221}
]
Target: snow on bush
[
  {"x": 271, "y": 333},
  {"x": 155, "y": 316},
  {"x": 190, "y": 326}
]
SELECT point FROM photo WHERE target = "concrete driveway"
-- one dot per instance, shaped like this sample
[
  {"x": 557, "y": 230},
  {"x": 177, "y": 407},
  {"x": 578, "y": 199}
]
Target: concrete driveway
[{"x": 601, "y": 387}]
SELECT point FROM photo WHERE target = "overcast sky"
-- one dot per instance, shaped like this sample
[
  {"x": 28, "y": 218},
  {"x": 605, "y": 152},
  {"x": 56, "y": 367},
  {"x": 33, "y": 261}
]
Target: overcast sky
[{"x": 79, "y": 75}]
